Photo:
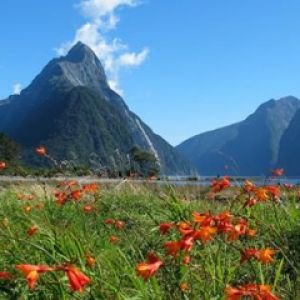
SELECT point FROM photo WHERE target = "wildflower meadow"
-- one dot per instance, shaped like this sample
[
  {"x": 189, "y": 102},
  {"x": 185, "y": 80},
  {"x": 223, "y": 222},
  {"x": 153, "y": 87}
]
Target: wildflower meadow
[{"x": 68, "y": 240}]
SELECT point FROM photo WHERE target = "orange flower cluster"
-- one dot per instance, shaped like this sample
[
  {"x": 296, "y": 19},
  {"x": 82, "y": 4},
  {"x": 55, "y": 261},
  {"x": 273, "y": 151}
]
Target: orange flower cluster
[
  {"x": 203, "y": 228},
  {"x": 260, "y": 194},
  {"x": 265, "y": 255},
  {"x": 72, "y": 191},
  {"x": 221, "y": 184},
  {"x": 77, "y": 279},
  {"x": 251, "y": 291},
  {"x": 32, "y": 273},
  {"x": 117, "y": 223},
  {"x": 224, "y": 223},
  {"x": 91, "y": 188}
]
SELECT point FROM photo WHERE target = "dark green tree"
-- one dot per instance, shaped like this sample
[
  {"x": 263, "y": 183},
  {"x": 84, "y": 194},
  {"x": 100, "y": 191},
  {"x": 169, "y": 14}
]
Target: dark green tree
[
  {"x": 143, "y": 162},
  {"x": 9, "y": 150}
]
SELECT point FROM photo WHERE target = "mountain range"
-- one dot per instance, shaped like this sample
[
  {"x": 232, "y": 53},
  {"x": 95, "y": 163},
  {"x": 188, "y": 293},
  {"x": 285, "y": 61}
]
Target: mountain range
[
  {"x": 71, "y": 109},
  {"x": 267, "y": 139}
]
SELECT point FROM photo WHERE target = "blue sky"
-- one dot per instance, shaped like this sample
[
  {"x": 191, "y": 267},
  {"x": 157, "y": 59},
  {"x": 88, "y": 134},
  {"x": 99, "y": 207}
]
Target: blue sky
[{"x": 189, "y": 66}]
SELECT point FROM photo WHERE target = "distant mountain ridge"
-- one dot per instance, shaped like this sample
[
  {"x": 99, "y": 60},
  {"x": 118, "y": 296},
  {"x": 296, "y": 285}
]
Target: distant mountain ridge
[
  {"x": 251, "y": 147},
  {"x": 70, "y": 108},
  {"x": 289, "y": 154}
]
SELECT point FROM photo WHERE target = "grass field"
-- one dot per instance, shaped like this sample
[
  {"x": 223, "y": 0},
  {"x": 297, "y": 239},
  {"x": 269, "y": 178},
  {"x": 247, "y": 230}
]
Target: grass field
[{"x": 108, "y": 233}]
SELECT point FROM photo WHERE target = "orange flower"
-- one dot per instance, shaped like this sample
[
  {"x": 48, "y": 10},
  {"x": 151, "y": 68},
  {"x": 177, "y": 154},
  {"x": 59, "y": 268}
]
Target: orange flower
[
  {"x": 41, "y": 151},
  {"x": 187, "y": 243},
  {"x": 77, "y": 279},
  {"x": 31, "y": 272},
  {"x": 221, "y": 184},
  {"x": 76, "y": 195},
  {"x": 183, "y": 286},
  {"x": 205, "y": 219},
  {"x": 119, "y": 225},
  {"x": 89, "y": 208},
  {"x": 252, "y": 291},
  {"x": 61, "y": 197},
  {"x": 224, "y": 216},
  {"x": 71, "y": 183},
  {"x": 5, "y": 275},
  {"x": 109, "y": 221},
  {"x": 233, "y": 293},
  {"x": 2, "y": 165},
  {"x": 261, "y": 194},
  {"x": 265, "y": 255},
  {"x": 32, "y": 230},
  {"x": 164, "y": 228},
  {"x": 251, "y": 232},
  {"x": 150, "y": 267},
  {"x": 90, "y": 261},
  {"x": 278, "y": 172},
  {"x": 113, "y": 239},
  {"x": 27, "y": 208},
  {"x": 225, "y": 227},
  {"x": 90, "y": 188},
  {"x": 185, "y": 228},
  {"x": 247, "y": 254},
  {"x": 273, "y": 190},
  {"x": 173, "y": 248},
  {"x": 238, "y": 230},
  {"x": 205, "y": 233}
]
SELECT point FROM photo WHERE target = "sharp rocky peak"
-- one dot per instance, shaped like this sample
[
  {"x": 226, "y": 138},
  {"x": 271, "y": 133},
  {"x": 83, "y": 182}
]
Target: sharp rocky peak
[
  {"x": 79, "y": 53},
  {"x": 82, "y": 67}
]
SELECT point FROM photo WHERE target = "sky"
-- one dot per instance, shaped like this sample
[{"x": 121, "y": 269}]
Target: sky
[{"x": 184, "y": 66}]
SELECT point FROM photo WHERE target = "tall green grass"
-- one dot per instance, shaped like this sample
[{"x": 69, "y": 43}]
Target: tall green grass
[{"x": 68, "y": 234}]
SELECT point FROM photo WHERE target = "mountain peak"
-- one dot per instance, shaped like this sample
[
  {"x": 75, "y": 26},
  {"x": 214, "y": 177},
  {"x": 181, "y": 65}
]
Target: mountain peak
[
  {"x": 289, "y": 99},
  {"x": 285, "y": 102},
  {"x": 80, "y": 52},
  {"x": 82, "y": 67}
]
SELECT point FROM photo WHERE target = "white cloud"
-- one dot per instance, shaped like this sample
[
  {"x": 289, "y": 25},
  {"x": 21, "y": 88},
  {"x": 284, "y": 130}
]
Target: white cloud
[
  {"x": 133, "y": 59},
  {"x": 113, "y": 53},
  {"x": 114, "y": 85},
  {"x": 97, "y": 9},
  {"x": 17, "y": 88}
]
